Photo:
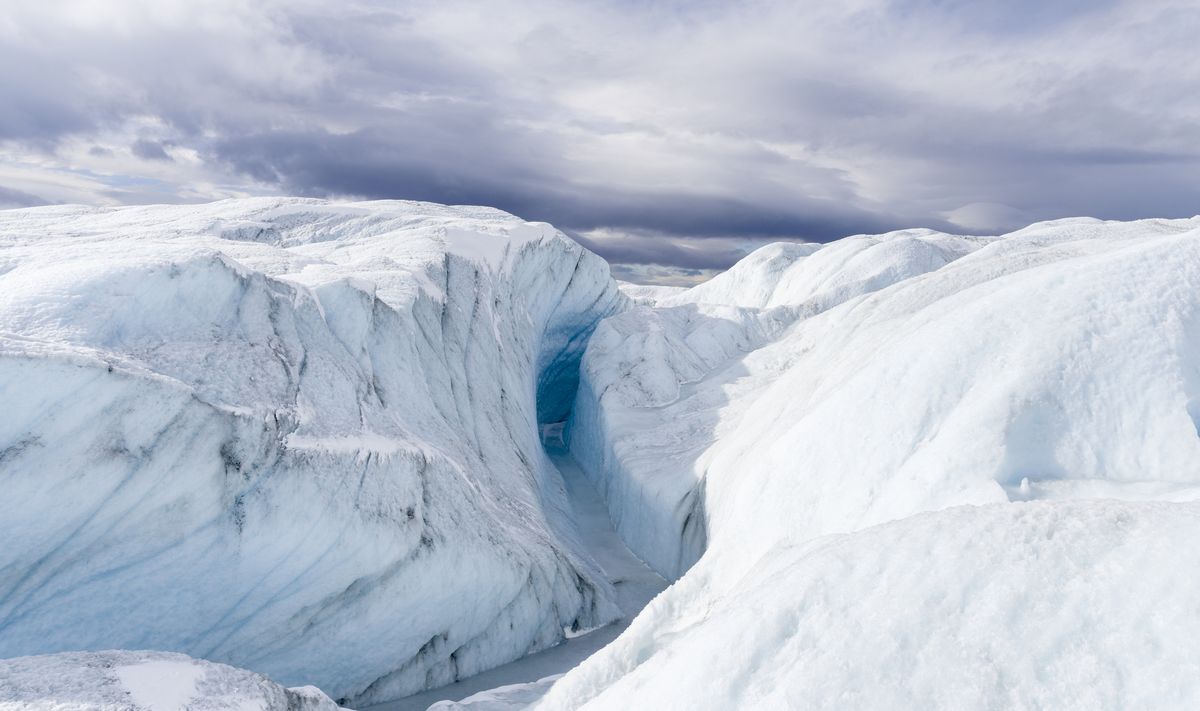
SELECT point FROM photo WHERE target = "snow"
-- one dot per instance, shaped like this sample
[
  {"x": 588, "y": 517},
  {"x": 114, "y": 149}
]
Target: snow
[
  {"x": 961, "y": 475},
  {"x": 145, "y": 681},
  {"x": 160, "y": 685},
  {"x": 815, "y": 276},
  {"x": 658, "y": 385},
  {"x": 648, "y": 294},
  {"x": 297, "y": 436},
  {"x": 502, "y": 698},
  {"x": 1045, "y": 605}
]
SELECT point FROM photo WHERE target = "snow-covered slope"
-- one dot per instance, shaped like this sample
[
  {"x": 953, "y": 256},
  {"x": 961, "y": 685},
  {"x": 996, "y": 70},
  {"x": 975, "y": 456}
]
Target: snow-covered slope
[
  {"x": 145, "y": 681},
  {"x": 661, "y": 384},
  {"x": 817, "y": 276},
  {"x": 296, "y": 436},
  {"x": 1068, "y": 605},
  {"x": 818, "y": 444}
]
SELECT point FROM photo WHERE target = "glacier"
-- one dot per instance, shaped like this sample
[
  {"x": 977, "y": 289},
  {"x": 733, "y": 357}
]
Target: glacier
[
  {"x": 291, "y": 435},
  {"x": 658, "y": 384},
  {"x": 909, "y": 470}
]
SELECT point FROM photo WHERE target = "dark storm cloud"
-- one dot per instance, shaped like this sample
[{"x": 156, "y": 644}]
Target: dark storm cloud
[
  {"x": 664, "y": 133},
  {"x": 507, "y": 172}
]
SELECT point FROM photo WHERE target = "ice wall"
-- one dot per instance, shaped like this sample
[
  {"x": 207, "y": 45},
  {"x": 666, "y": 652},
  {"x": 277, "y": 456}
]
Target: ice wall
[{"x": 295, "y": 436}]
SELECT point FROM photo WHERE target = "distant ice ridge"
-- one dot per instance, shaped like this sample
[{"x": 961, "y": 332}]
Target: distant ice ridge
[
  {"x": 296, "y": 436},
  {"x": 148, "y": 681},
  {"x": 648, "y": 294},
  {"x": 934, "y": 472}
]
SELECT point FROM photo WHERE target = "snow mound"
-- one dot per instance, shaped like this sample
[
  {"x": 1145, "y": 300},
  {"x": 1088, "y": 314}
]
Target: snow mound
[
  {"x": 776, "y": 436},
  {"x": 144, "y": 681},
  {"x": 313, "y": 426}
]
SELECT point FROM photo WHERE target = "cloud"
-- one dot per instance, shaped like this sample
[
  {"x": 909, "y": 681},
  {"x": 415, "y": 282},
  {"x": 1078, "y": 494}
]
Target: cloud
[
  {"x": 17, "y": 198},
  {"x": 664, "y": 133},
  {"x": 147, "y": 150},
  {"x": 660, "y": 275},
  {"x": 645, "y": 247},
  {"x": 987, "y": 217}
]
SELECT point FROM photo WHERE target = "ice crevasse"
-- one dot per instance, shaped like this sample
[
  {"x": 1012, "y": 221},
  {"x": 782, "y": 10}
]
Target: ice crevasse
[{"x": 290, "y": 435}]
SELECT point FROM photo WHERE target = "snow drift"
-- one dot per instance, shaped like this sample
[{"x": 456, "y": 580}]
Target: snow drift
[
  {"x": 295, "y": 436},
  {"x": 934, "y": 472}
]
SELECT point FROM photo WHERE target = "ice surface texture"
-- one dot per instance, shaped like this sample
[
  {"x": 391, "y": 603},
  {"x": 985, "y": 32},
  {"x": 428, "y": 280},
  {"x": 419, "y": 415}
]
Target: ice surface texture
[
  {"x": 295, "y": 436},
  {"x": 144, "y": 681},
  {"x": 935, "y": 472}
]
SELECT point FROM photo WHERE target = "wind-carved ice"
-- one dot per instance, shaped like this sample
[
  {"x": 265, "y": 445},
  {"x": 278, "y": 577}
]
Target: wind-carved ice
[{"x": 295, "y": 436}]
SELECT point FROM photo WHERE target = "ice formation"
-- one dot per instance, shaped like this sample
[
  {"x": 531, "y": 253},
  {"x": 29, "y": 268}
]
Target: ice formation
[
  {"x": 912, "y": 470},
  {"x": 943, "y": 473},
  {"x": 659, "y": 385},
  {"x": 294, "y": 436},
  {"x": 146, "y": 681}
]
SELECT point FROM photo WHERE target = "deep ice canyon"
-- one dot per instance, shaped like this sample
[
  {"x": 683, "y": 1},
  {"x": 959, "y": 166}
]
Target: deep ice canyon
[{"x": 306, "y": 438}]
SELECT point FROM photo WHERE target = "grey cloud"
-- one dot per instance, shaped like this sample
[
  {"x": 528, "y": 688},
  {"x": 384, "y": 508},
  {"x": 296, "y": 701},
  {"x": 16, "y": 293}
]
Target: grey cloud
[
  {"x": 660, "y": 275},
  {"x": 677, "y": 132},
  {"x": 18, "y": 198},
  {"x": 1007, "y": 17},
  {"x": 506, "y": 171},
  {"x": 657, "y": 248},
  {"x": 149, "y": 150}
]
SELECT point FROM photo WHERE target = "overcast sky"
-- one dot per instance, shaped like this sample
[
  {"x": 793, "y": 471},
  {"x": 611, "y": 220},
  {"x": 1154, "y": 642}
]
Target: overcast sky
[{"x": 668, "y": 136}]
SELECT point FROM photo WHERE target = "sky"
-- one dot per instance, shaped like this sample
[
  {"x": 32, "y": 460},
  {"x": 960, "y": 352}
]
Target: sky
[{"x": 669, "y": 137}]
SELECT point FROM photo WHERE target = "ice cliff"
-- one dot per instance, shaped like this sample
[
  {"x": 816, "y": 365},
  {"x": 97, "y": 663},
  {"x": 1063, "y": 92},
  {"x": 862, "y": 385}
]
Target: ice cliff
[{"x": 295, "y": 436}]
